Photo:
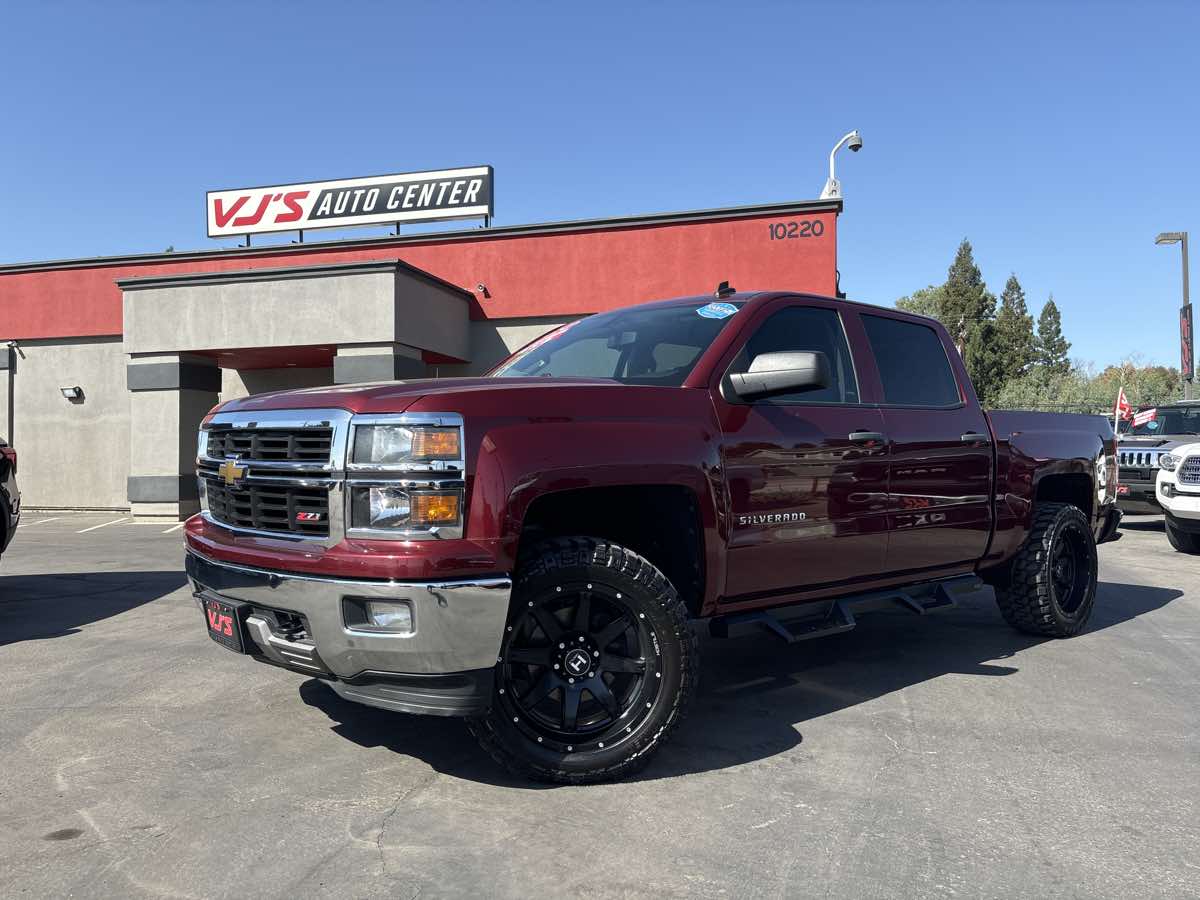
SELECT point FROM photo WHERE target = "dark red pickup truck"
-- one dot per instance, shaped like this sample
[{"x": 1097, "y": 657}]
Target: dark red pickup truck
[{"x": 530, "y": 549}]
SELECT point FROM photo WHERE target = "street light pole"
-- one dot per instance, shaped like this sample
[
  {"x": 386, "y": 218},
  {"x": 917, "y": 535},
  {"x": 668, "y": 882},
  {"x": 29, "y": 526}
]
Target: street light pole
[{"x": 1181, "y": 238}]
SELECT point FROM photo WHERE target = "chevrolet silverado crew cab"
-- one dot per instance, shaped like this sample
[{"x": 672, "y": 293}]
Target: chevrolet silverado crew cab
[
  {"x": 529, "y": 549},
  {"x": 1179, "y": 494}
]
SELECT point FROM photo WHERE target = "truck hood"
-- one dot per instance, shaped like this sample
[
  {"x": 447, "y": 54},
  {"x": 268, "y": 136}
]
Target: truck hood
[{"x": 398, "y": 396}]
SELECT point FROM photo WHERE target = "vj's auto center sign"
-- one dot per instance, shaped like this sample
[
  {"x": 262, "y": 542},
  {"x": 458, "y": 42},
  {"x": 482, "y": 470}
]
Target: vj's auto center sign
[{"x": 382, "y": 199}]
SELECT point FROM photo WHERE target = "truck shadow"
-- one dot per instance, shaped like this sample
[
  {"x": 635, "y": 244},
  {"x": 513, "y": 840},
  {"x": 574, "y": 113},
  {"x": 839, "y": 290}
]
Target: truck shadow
[
  {"x": 37, "y": 607},
  {"x": 756, "y": 693}
]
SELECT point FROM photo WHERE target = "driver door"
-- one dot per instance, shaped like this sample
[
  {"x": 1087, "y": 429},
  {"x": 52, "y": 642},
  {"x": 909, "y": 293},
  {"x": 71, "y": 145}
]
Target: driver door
[{"x": 807, "y": 473}]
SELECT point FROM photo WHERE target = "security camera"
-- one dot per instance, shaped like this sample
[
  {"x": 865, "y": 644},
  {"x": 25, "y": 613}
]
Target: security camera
[{"x": 833, "y": 187}]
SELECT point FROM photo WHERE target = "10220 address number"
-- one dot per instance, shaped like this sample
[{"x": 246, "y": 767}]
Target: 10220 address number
[{"x": 806, "y": 228}]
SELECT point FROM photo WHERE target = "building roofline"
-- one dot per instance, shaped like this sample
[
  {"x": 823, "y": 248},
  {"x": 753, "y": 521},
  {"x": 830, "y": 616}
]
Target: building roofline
[
  {"x": 502, "y": 231},
  {"x": 280, "y": 273}
]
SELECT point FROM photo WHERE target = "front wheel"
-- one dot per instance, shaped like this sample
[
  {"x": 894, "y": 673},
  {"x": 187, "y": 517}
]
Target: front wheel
[
  {"x": 1051, "y": 586},
  {"x": 1183, "y": 541},
  {"x": 596, "y": 668}
]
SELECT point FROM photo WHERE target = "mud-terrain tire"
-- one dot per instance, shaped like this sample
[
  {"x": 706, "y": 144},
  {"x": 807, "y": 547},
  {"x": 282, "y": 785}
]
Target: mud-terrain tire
[
  {"x": 1051, "y": 587},
  {"x": 1181, "y": 540},
  {"x": 552, "y": 719}
]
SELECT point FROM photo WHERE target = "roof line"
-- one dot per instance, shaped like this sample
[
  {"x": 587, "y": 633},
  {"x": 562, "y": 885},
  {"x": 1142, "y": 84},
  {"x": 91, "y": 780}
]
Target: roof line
[
  {"x": 471, "y": 234},
  {"x": 280, "y": 273}
]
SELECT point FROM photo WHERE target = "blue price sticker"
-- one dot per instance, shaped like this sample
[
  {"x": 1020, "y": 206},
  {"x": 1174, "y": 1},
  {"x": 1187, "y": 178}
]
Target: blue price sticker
[{"x": 717, "y": 311}]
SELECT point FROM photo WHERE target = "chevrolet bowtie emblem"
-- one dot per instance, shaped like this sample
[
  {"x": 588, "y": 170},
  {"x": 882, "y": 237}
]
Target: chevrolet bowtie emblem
[{"x": 231, "y": 472}]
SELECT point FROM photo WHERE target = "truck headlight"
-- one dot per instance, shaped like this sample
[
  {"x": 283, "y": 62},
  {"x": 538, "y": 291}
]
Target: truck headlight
[
  {"x": 1168, "y": 462},
  {"x": 202, "y": 443},
  {"x": 398, "y": 445},
  {"x": 386, "y": 508}
]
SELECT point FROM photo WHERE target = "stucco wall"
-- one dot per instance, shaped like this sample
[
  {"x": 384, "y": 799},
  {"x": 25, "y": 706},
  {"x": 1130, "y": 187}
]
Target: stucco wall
[
  {"x": 71, "y": 454},
  {"x": 244, "y": 383}
]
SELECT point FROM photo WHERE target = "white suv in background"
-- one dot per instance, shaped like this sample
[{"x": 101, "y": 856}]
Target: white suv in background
[{"x": 1179, "y": 494}]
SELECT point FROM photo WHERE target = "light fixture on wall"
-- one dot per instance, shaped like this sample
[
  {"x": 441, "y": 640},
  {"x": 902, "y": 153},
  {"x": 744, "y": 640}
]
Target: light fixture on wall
[{"x": 74, "y": 394}]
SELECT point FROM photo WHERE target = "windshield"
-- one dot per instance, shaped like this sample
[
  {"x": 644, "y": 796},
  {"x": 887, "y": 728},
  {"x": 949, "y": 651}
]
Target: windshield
[
  {"x": 1168, "y": 420},
  {"x": 655, "y": 345}
]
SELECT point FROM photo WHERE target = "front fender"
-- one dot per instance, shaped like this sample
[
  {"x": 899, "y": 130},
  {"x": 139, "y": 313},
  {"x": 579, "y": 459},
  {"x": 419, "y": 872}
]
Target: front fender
[{"x": 522, "y": 461}]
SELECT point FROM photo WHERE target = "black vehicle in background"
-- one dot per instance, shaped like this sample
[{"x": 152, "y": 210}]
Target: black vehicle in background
[
  {"x": 1139, "y": 447},
  {"x": 10, "y": 497}
]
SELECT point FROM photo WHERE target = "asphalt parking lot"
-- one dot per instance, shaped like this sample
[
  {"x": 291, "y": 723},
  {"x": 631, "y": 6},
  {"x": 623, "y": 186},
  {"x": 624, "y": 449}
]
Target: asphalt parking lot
[{"x": 946, "y": 756}]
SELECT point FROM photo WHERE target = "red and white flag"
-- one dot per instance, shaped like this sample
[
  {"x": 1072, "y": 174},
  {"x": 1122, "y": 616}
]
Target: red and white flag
[
  {"x": 1123, "y": 410},
  {"x": 1146, "y": 415}
]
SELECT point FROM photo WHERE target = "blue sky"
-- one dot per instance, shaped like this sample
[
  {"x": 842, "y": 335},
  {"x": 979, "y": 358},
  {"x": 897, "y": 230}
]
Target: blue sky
[{"x": 1058, "y": 137}]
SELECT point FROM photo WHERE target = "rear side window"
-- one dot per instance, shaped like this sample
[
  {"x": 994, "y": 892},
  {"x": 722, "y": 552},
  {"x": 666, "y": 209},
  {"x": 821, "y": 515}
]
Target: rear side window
[
  {"x": 805, "y": 328},
  {"x": 912, "y": 363}
]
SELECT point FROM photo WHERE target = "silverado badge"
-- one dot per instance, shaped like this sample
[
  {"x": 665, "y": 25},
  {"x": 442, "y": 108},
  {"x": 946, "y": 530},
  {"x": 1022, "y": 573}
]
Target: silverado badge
[{"x": 231, "y": 472}]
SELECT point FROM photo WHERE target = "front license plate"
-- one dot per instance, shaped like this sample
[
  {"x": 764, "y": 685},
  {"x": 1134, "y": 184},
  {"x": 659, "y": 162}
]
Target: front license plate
[
  {"x": 222, "y": 621},
  {"x": 1122, "y": 489}
]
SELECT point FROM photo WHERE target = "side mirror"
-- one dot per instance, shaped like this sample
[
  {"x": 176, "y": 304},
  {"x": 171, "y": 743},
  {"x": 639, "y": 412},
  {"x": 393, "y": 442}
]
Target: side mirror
[{"x": 771, "y": 374}]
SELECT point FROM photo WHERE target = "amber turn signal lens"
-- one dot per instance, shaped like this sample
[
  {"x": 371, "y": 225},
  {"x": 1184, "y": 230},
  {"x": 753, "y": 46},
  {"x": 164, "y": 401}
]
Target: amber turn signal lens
[
  {"x": 435, "y": 443},
  {"x": 434, "y": 509}
]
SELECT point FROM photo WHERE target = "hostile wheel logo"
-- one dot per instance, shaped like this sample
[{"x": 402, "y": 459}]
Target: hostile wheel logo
[{"x": 577, "y": 662}]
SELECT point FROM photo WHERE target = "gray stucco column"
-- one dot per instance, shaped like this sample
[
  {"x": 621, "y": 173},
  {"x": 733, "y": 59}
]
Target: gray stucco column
[
  {"x": 168, "y": 396},
  {"x": 357, "y": 363}
]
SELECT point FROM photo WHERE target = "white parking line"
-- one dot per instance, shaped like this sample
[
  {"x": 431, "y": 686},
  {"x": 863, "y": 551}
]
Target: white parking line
[
  {"x": 42, "y": 521},
  {"x": 102, "y": 525},
  {"x": 175, "y": 528}
]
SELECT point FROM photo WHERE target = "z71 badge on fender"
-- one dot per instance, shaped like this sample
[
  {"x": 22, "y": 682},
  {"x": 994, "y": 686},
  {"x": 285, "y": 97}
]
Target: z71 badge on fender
[{"x": 772, "y": 518}]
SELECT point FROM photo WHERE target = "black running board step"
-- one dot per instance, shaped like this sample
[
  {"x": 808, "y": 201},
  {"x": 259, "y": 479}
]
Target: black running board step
[{"x": 839, "y": 619}]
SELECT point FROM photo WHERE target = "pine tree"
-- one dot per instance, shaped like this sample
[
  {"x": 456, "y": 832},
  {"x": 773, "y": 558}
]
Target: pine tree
[
  {"x": 966, "y": 301},
  {"x": 1014, "y": 331},
  {"x": 967, "y": 311},
  {"x": 1052, "y": 347}
]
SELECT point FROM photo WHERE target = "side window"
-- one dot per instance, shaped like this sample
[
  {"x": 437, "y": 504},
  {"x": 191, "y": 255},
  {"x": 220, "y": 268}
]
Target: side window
[
  {"x": 912, "y": 363},
  {"x": 805, "y": 328}
]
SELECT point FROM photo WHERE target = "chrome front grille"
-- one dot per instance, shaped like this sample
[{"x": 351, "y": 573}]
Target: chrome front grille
[
  {"x": 276, "y": 473},
  {"x": 272, "y": 444},
  {"x": 1188, "y": 471},
  {"x": 1139, "y": 459},
  {"x": 283, "y": 508}
]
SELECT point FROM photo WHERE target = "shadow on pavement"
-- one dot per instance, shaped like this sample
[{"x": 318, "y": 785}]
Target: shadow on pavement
[
  {"x": 1149, "y": 524},
  {"x": 36, "y": 607},
  {"x": 755, "y": 692}
]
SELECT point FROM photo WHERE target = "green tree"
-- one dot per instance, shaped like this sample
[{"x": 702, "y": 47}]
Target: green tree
[
  {"x": 1014, "y": 331},
  {"x": 966, "y": 301},
  {"x": 967, "y": 310},
  {"x": 925, "y": 302},
  {"x": 1052, "y": 347}
]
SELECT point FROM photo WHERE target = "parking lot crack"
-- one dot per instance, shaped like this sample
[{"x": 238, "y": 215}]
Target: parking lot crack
[{"x": 416, "y": 790}]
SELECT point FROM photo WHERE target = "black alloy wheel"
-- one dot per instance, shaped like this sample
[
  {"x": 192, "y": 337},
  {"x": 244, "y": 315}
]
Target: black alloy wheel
[
  {"x": 1067, "y": 567},
  {"x": 574, "y": 673},
  {"x": 1050, "y": 587},
  {"x": 596, "y": 666}
]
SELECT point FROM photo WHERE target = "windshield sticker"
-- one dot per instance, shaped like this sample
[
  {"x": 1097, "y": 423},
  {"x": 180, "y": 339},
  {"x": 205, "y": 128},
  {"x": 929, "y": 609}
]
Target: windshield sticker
[
  {"x": 717, "y": 311},
  {"x": 1152, "y": 425}
]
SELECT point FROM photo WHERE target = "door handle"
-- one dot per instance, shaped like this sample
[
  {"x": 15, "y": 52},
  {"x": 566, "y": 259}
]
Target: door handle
[
  {"x": 867, "y": 437},
  {"x": 972, "y": 438}
]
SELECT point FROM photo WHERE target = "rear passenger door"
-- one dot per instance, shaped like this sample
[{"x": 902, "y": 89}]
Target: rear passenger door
[
  {"x": 940, "y": 481},
  {"x": 806, "y": 474}
]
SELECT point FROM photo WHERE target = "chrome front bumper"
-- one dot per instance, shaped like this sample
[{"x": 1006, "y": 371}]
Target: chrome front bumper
[{"x": 458, "y": 627}]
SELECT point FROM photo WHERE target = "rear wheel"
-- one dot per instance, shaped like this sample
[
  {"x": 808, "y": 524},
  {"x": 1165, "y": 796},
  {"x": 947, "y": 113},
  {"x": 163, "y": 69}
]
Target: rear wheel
[
  {"x": 1051, "y": 587},
  {"x": 1183, "y": 541},
  {"x": 596, "y": 668}
]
